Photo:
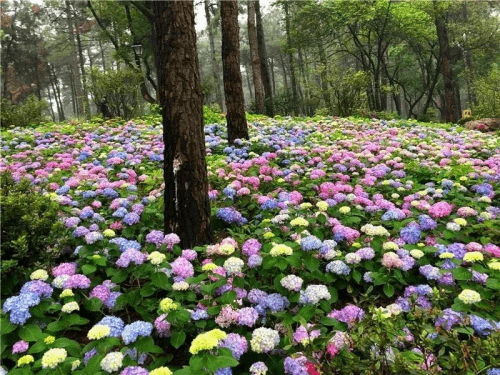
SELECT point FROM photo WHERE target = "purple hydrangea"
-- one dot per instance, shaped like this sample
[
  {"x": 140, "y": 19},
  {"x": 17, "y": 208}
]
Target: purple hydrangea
[{"x": 236, "y": 343}]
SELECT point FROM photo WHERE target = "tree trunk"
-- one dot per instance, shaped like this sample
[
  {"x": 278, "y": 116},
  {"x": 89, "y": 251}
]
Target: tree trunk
[
  {"x": 290, "y": 57},
  {"x": 450, "y": 104},
  {"x": 86, "y": 106},
  {"x": 233, "y": 86},
  {"x": 187, "y": 207},
  {"x": 263, "y": 62},
  {"x": 103, "y": 57},
  {"x": 76, "y": 72},
  {"x": 50, "y": 106},
  {"x": 215, "y": 69},
  {"x": 283, "y": 67},
  {"x": 254, "y": 51},
  {"x": 272, "y": 76},
  {"x": 57, "y": 93},
  {"x": 324, "y": 75},
  {"x": 247, "y": 74}
]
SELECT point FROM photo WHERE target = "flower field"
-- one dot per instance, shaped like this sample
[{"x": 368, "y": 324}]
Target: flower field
[{"x": 342, "y": 246}]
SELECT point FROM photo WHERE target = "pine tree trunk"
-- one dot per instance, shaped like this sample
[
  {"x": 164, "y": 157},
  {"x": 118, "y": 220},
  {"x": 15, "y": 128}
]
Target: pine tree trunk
[
  {"x": 103, "y": 57},
  {"x": 272, "y": 77},
  {"x": 233, "y": 86},
  {"x": 254, "y": 50},
  {"x": 290, "y": 57},
  {"x": 76, "y": 72},
  {"x": 247, "y": 70},
  {"x": 261, "y": 42},
  {"x": 187, "y": 207},
  {"x": 215, "y": 69},
  {"x": 450, "y": 104},
  {"x": 57, "y": 94},
  {"x": 86, "y": 110}
]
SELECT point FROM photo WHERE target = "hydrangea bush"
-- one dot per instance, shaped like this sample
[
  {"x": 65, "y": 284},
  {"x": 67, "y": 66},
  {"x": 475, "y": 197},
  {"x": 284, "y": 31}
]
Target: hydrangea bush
[{"x": 343, "y": 247}]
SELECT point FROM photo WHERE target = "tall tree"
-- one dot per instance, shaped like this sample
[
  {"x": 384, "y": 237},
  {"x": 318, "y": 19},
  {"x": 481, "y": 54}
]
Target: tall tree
[
  {"x": 254, "y": 51},
  {"x": 76, "y": 73},
  {"x": 290, "y": 55},
  {"x": 263, "y": 61},
  {"x": 452, "y": 112},
  {"x": 233, "y": 85},
  {"x": 215, "y": 68},
  {"x": 187, "y": 207}
]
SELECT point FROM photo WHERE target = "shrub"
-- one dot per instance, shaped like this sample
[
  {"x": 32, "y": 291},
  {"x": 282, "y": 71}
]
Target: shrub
[
  {"x": 210, "y": 116},
  {"x": 32, "y": 111},
  {"x": 488, "y": 95},
  {"x": 29, "y": 225}
]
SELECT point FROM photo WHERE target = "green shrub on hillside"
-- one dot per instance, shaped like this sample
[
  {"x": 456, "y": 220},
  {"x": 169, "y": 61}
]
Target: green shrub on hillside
[{"x": 31, "y": 111}]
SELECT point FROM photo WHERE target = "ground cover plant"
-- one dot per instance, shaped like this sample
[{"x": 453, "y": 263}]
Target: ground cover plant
[{"x": 343, "y": 246}]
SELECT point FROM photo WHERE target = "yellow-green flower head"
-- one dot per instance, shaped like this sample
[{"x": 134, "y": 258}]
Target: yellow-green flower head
[
  {"x": 344, "y": 210},
  {"x": 167, "y": 304},
  {"x": 112, "y": 362},
  {"x": 494, "y": 265},
  {"x": 206, "y": 341},
  {"x": 357, "y": 244},
  {"x": 305, "y": 205},
  {"x": 323, "y": 206},
  {"x": 209, "y": 267},
  {"x": 268, "y": 235},
  {"x": 75, "y": 365},
  {"x": 374, "y": 230},
  {"x": 39, "y": 275},
  {"x": 394, "y": 195},
  {"x": 460, "y": 221},
  {"x": 299, "y": 222},
  {"x": 53, "y": 357},
  {"x": 49, "y": 340},
  {"x": 485, "y": 199},
  {"x": 70, "y": 307},
  {"x": 67, "y": 293},
  {"x": 420, "y": 244},
  {"x": 469, "y": 296},
  {"x": 485, "y": 215},
  {"x": 108, "y": 233},
  {"x": 156, "y": 257},
  {"x": 24, "y": 360},
  {"x": 226, "y": 249},
  {"x": 180, "y": 285},
  {"x": 98, "y": 332},
  {"x": 390, "y": 246},
  {"x": 161, "y": 371},
  {"x": 266, "y": 221},
  {"x": 279, "y": 250},
  {"x": 473, "y": 256},
  {"x": 417, "y": 254},
  {"x": 96, "y": 256},
  {"x": 447, "y": 255}
]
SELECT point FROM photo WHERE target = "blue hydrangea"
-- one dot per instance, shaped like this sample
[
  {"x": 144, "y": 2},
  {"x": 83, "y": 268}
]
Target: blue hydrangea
[
  {"x": 199, "y": 314},
  {"x": 338, "y": 267},
  {"x": 132, "y": 331},
  {"x": 275, "y": 302},
  {"x": 310, "y": 243},
  {"x": 114, "y": 323},
  {"x": 411, "y": 234}
]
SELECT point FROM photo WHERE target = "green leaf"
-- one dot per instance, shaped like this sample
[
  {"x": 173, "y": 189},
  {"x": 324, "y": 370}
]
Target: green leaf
[
  {"x": 6, "y": 326},
  {"x": 75, "y": 319},
  {"x": 307, "y": 312},
  {"x": 356, "y": 275},
  {"x": 93, "y": 304},
  {"x": 88, "y": 269},
  {"x": 30, "y": 332},
  {"x": 160, "y": 280},
  {"x": 493, "y": 283},
  {"x": 57, "y": 326},
  {"x": 147, "y": 290},
  {"x": 177, "y": 339},
  {"x": 311, "y": 263},
  {"x": 224, "y": 361},
  {"x": 461, "y": 273},
  {"x": 147, "y": 345},
  {"x": 389, "y": 290},
  {"x": 120, "y": 276},
  {"x": 228, "y": 297}
]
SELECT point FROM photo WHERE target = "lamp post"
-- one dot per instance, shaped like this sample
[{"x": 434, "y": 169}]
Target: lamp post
[{"x": 138, "y": 49}]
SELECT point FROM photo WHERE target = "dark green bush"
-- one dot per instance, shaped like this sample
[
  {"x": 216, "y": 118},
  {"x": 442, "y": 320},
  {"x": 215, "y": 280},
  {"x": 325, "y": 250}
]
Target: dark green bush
[
  {"x": 31, "y": 111},
  {"x": 210, "y": 116},
  {"x": 31, "y": 233}
]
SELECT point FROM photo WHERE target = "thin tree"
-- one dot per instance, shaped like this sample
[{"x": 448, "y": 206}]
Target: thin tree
[
  {"x": 263, "y": 61},
  {"x": 254, "y": 51},
  {"x": 187, "y": 207},
  {"x": 233, "y": 85},
  {"x": 215, "y": 68}
]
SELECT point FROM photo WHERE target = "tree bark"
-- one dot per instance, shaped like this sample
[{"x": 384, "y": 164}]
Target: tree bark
[
  {"x": 57, "y": 93},
  {"x": 233, "y": 85},
  {"x": 76, "y": 72},
  {"x": 215, "y": 69},
  {"x": 261, "y": 42},
  {"x": 254, "y": 51},
  {"x": 86, "y": 106},
  {"x": 272, "y": 76},
  {"x": 290, "y": 57},
  {"x": 187, "y": 207},
  {"x": 450, "y": 104}
]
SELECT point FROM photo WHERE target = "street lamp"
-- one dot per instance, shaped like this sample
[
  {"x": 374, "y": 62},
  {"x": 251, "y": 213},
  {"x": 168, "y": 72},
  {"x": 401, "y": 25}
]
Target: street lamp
[{"x": 138, "y": 48}]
